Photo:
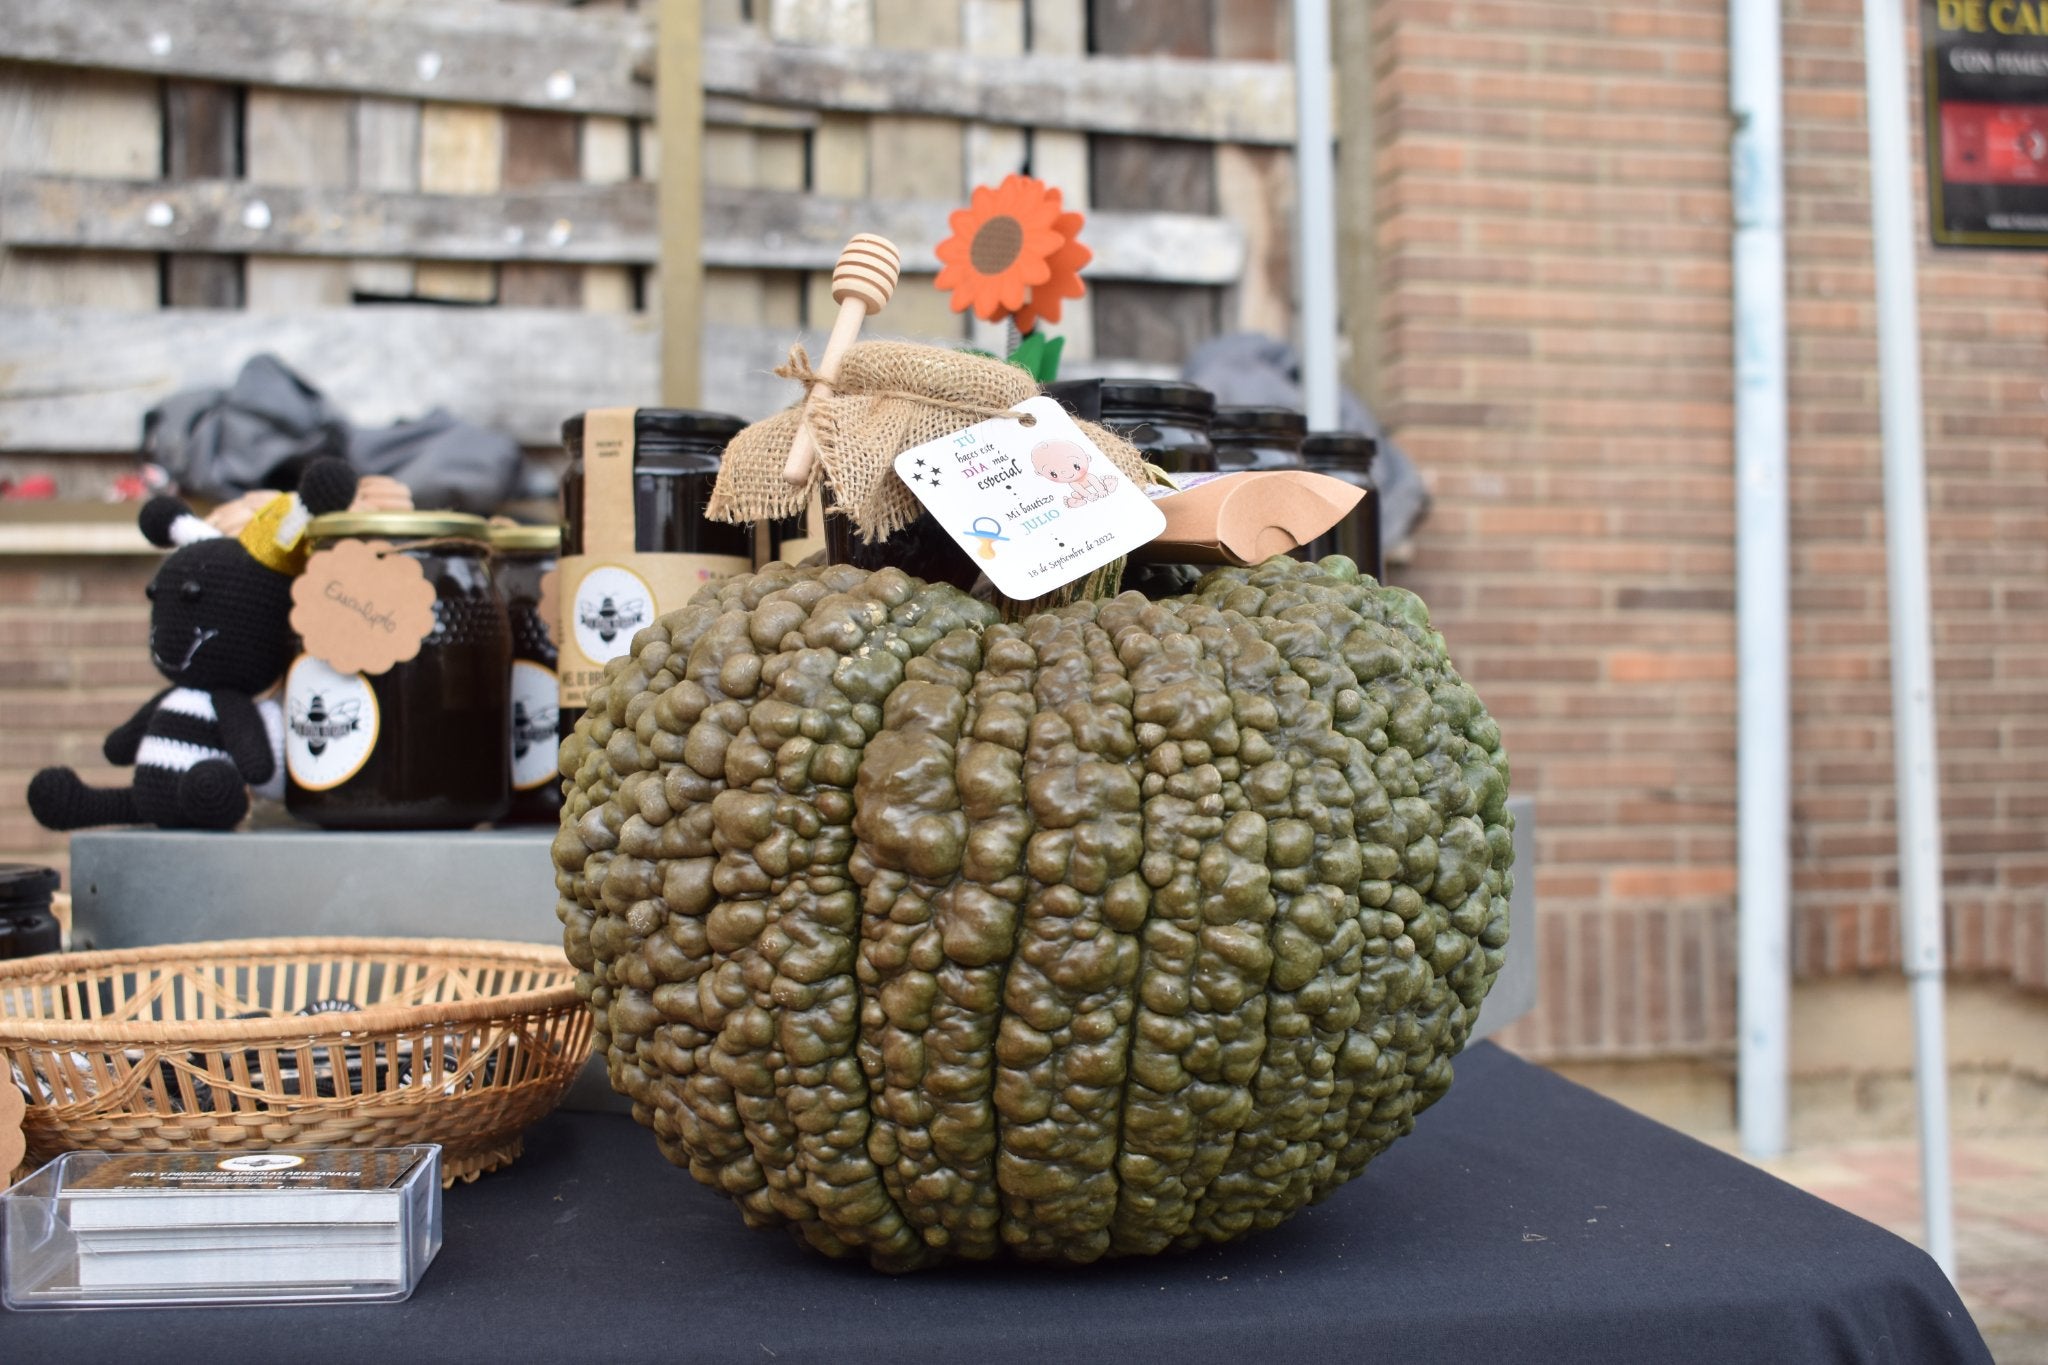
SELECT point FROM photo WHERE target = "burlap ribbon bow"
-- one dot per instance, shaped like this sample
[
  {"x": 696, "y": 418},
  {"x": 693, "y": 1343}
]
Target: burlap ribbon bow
[{"x": 889, "y": 396}]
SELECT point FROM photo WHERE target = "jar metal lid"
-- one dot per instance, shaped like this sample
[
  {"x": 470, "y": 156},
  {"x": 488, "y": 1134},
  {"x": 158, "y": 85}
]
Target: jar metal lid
[
  {"x": 667, "y": 428},
  {"x": 1239, "y": 421},
  {"x": 1154, "y": 394},
  {"x": 1350, "y": 448},
  {"x": 398, "y": 525},
  {"x": 27, "y": 884},
  {"x": 525, "y": 538},
  {"x": 1123, "y": 400}
]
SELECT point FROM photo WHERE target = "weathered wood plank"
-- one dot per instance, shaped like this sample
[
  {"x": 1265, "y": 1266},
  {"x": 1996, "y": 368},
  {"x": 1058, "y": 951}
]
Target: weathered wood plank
[
  {"x": 1255, "y": 185},
  {"x": 485, "y": 53},
  {"x": 541, "y": 148},
  {"x": 1148, "y": 320},
  {"x": 79, "y": 380},
  {"x": 83, "y": 125},
  {"x": 529, "y": 56},
  {"x": 841, "y": 157},
  {"x": 307, "y": 141},
  {"x": 1203, "y": 101},
  {"x": 202, "y": 140},
  {"x": 387, "y": 158},
  {"x": 728, "y": 111},
  {"x": 993, "y": 150},
  {"x": 744, "y": 229},
  {"x": 606, "y": 158},
  {"x": 462, "y": 153},
  {"x": 1060, "y": 158}
]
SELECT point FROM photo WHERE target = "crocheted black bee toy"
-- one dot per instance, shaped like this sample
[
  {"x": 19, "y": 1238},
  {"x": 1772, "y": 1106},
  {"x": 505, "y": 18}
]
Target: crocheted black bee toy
[{"x": 220, "y": 631}]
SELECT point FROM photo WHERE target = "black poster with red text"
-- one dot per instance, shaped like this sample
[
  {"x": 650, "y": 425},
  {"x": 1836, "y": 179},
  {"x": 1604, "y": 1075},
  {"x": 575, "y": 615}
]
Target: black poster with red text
[{"x": 1986, "y": 64}]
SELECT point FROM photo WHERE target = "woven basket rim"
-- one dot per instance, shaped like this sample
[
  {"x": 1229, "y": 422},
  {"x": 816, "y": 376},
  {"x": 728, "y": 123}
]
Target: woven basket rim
[{"x": 53, "y": 969}]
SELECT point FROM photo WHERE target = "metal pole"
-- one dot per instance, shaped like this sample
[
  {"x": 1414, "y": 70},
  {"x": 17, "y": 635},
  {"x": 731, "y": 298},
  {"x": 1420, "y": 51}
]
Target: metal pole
[
  {"x": 1916, "y": 772},
  {"x": 1315, "y": 214},
  {"x": 1764, "y": 810}
]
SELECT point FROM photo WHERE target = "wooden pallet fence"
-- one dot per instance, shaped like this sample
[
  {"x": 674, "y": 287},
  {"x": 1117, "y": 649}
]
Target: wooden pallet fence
[
  {"x": 744, "y": 229},
  {"x": 289, "y": 163},
  {"x": 599, "y": 62}
]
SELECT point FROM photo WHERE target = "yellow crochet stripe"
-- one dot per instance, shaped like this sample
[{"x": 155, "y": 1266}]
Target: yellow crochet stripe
[{"x": 277, "y": 535}]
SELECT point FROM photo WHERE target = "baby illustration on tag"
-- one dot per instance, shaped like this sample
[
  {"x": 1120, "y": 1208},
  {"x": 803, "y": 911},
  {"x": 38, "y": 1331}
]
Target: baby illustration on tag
[{"x": 1066, "y": 464}]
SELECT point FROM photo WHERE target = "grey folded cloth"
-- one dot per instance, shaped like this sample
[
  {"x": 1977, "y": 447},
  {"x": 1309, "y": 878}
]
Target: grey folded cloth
[
  {"x": 1252, "y": 369},
  {"x": 221, "y": 443}
]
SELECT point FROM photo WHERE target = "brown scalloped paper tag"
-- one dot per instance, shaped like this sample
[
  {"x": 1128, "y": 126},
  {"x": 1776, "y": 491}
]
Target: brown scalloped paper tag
[
  {"x": 13, "y": 1142},
  {"x": 362, "y": 607}
]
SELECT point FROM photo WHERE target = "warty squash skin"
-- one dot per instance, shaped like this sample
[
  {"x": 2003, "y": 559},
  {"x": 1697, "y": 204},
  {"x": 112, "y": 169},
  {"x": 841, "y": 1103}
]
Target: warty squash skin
[{"x": 1131, "y": 926}]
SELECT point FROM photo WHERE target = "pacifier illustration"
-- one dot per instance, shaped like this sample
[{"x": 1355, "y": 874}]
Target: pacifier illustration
[{"x": 989, "y": 537}]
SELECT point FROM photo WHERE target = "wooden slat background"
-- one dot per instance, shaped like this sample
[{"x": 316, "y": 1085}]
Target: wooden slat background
[{"x": 345, "y": 182}]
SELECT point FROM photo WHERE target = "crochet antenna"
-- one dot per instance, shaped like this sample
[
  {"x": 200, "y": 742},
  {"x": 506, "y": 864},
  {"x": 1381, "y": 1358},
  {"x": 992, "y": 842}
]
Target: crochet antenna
[{"x": 862, "y": 282}]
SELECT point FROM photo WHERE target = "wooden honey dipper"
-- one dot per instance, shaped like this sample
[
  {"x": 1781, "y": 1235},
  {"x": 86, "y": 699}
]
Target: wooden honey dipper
[{"x": 862, "y": 282}]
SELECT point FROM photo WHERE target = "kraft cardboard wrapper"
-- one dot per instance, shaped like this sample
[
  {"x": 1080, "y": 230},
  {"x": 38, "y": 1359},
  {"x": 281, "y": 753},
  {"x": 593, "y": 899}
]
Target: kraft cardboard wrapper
[
  {"x": 1248, "y": 517},
  {"x": 608, "y": 520}
]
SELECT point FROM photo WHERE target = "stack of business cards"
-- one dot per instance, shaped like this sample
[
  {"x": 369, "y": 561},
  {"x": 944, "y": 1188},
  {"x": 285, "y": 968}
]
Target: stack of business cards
[{"x": 225, "y": 1227}]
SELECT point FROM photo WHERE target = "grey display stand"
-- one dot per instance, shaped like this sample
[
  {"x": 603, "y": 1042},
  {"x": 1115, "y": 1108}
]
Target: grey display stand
[{"x": 132, "y": 887}]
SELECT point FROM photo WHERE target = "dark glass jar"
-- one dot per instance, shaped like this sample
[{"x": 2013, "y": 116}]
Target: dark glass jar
[
  {"x": 422, "y": 745},
  {"x": 1166, "y": 419},
  {"x": 1348, "y": 455},
  {"x": 922, "y": 549},
  {"x": 676, "y": 454},
  {"x": 521, "y": 556},
  {"x": 28, "y": 923},
  {"x": 675, "y": 463},
  {"x": 1257, "y": 438},
  {"x": 790, "y": 540}
]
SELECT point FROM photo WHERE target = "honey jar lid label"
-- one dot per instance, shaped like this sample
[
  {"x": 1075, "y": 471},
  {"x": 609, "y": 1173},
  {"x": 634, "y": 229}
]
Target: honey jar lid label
[
  {"x": 608, "y": 517},
  {"x": 362, "y": 607}
]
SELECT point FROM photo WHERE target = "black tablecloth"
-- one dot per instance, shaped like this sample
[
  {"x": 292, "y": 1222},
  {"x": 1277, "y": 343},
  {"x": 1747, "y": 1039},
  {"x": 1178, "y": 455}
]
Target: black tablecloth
[{"x": 1526, "y": 1219}]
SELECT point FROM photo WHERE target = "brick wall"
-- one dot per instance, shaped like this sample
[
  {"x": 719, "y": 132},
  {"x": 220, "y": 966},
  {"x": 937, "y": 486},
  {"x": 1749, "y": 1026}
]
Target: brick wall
[
  {"x": 1553, "y": 256},
  {"x": 74, "y": 663}
]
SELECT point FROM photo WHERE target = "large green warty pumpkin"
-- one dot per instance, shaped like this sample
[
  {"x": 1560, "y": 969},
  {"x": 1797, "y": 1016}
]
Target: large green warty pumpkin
[{"x": 1131, "y": 926}]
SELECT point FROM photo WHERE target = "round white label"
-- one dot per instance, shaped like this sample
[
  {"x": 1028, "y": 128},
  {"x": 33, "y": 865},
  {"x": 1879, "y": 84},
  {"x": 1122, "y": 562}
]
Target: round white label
[
  {"x": 262, "y": 1161},
  {"x": 536, "y": 702},
  {"x": 330, "y": 724},
  {"x": 611, "y": 605}
]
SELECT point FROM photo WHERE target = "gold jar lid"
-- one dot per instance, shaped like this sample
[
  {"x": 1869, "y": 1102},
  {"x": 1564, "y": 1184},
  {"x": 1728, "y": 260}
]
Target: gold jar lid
[
  {"x": 518, "y": 539},
  {"x": 398, "y": 526}
]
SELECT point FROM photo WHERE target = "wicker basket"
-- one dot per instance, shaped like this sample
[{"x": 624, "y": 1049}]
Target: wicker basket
[{"x": 227, "y": 1045}]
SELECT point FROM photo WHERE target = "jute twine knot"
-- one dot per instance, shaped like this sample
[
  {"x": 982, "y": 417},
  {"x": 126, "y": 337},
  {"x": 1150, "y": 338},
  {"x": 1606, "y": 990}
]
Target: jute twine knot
[{"x": 888, "y": 397}]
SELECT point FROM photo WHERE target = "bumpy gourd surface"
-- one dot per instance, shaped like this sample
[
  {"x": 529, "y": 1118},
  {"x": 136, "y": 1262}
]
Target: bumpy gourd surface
[{"x": 1131, "y": 926}]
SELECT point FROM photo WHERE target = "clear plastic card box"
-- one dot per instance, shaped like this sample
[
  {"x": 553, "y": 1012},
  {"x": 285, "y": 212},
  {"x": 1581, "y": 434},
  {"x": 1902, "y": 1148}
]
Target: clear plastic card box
[{"x": 153, "y": 1229}]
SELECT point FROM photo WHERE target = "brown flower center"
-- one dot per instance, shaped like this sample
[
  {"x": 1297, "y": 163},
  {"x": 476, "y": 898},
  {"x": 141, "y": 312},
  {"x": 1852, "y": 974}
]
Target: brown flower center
[{"x": 996, "y": 245}]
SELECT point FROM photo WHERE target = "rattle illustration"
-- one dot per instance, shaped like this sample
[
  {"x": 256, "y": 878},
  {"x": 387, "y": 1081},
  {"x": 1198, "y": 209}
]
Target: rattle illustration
[
  {"x": 1066, "y": 464},
  {"x": 988, "y": 538}
]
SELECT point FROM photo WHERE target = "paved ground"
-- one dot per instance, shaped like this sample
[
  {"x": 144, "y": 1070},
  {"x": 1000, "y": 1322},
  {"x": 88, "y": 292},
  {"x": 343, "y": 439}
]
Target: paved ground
[{"x": 2001, "y": 1194}]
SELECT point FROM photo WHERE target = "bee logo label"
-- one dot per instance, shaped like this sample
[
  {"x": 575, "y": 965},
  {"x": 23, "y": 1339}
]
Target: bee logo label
[
  {"x": 330, "y": 724},
  {"x": 612, "y": 604},
  {"x": 535, "y": 707}
]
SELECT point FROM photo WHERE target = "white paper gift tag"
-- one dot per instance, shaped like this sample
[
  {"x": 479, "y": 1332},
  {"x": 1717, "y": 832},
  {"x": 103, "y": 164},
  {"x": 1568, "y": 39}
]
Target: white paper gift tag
[{"x": 1035, "y": 506}]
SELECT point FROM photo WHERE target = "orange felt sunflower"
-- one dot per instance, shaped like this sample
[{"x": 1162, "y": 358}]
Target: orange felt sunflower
[
  {"x": 1001, "y": 248},
  {"x": 1065, "y": 282}
]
